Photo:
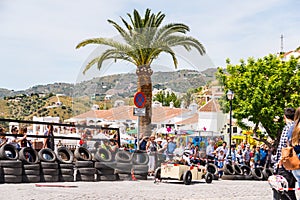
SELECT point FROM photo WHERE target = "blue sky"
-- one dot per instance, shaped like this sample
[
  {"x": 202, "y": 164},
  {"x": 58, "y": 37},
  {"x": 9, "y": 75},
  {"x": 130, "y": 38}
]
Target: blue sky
[{"x": 38, "y": 38}]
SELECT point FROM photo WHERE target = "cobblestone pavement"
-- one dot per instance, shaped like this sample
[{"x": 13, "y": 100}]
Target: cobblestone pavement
[{"x": 222, "y": 189}]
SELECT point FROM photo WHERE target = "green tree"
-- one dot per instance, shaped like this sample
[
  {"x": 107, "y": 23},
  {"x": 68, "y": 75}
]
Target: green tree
[
  {"x": 262, "y": 88},
  {"x": 145, "y": 39},
  {"x": 166, "y": 98}
]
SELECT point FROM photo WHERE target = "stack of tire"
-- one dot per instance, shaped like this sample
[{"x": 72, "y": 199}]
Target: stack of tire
[
  {"x": 123, "y": 165},
  {"x": 10, "y": 167},
  {"x": 244, "y": 172},
  {"x": 84, "y": 165},
  {"x": 31, "y": 166},
  {"x": 49, "y": 165},
  {"x": 104, "y": 165},
  {"x": 212, "y": 168},
  {"x": 65, "y": 159},
  {"x": 140, "y": 165}
]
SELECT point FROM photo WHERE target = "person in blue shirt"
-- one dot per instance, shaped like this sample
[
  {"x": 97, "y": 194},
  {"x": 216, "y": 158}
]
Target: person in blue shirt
[{"x": 171, "y": 146}]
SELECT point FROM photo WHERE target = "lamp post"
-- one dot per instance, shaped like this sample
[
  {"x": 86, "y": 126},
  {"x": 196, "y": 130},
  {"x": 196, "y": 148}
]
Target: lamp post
[{"x": 230, "y": 96}]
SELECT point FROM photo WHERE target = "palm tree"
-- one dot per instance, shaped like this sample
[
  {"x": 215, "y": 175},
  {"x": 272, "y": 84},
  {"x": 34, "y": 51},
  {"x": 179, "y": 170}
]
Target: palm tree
[{"x": 145, "y": 38}]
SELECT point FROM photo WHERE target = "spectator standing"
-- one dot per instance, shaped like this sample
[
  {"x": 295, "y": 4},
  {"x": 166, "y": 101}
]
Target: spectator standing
[
  {"x": 171, "y": 146},
  {"x": 294, "y": 140},
  {"x": 278, "y": 168},
  {"x": 23, "y": 142},
  {"x": 151, "y": 149},
  {"x": 263, "y": 154},
  {"x": 3, "y": 139},
  {"x": 49, "y": 140},
  {"x": 143, "y": 143},
  {"x": 224, "y": 147},
  {"x": 257, "y": 157},
  {"x": 15, "y": 141},
  {"x": 246, "y": 155}
]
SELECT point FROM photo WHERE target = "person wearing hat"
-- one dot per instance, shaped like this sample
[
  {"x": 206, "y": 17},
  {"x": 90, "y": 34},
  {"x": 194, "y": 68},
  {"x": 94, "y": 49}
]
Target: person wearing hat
[{"x": 160, "y": 151}]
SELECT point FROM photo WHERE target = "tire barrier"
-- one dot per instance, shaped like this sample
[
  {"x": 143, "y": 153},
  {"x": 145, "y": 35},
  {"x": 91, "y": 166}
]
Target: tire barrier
[
  {"x": 237, "y": 170},
  {"x": 47, "y": 155},
  {"x": 85, "y": 171},
  {"x": 140, "y": 158},
  {"x": 11, "y": 171},
  {"x": 123, "y": 157},
  {"x": 31, "y": 173},
  {"x": 105, "y": 171},
  {"x": 9, "y": 152},
  {"x": 28, "y": 156},
  {"x": 212, "y": 168},
  {"x": 257, "y": 173},
  {"x": 49, "y": 171},
  {"x": 228, "y": 169},
  {"x": 65, "y": 155},
  {"x": 266, "y": 172},
  {"x": 140, "y": 172},
  {"x": 246, "y": 170},
  {"x": 82, "y": 154},
  {"x": 103, "y": 155},
  {"x": 66, "y": 172}
]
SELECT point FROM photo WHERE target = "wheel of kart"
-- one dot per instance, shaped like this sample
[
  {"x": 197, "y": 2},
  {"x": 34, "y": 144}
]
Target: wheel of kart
[
  {"x": 157, "y": 174},
  {"x": 208, "y": 177},
  {"x": 187, "y": 177}
]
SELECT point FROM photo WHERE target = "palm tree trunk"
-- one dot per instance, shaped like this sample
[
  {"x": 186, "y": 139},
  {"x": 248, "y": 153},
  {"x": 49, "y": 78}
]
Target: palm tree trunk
[{"x": 144, "y": 84}]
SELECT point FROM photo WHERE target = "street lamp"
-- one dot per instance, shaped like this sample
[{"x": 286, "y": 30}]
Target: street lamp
[{"x": 230, "y": 96}]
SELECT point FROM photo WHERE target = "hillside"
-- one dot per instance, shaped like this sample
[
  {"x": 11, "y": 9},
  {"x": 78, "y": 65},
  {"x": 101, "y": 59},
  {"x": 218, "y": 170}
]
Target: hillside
[
  {"x": 66, "y": 100},
  {"x": 122, "y": 85}
]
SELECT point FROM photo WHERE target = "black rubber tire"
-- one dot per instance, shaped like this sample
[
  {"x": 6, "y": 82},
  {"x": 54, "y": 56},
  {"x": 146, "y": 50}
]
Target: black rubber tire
[
  {"x": 140, "y": 168},
  {"x": 87, "y": 178},
  {"x": 11, "y": 179},
  {"x": 66, "y": 166},
  {"x": 12, "y": 171},
  {"x": 157, "y": 173},
  {"x": 65, "y": 155},
  {"x": 9, "y": 147},
  {"x": 11, "y": 163},
  {"x": 209, "y": 177},
  {"x": 84, "y": 164},
  {"x": 228, "y": 177},
  {"x": 86, "y": 171},
  {"x": 123, "y": 157},
  {"x": 31, "y": 178},
  {"x": 32, "y": 152},
  {"x": 49, "y": 165},
  {"x": 105, "y": 172},
  {"x": 105, "y": 165},
  {"x": 31, "y": 172},
  {"x": 124, "y": 167},
  {"x": 212, "y": 168},
  {"x": 246, "y": 170},
  {"x": 82, "y": 154},
  {"x": 187, "y": 177},
  {"x": 107, "y": 155},
  {"x": 66, "y": 178},
  {"x": 35, "y": 167},
  {"x": 124, "y": 177},
  {"x": 248, "y": 177},
  {"x": 49, "y": 178},
  {"x": 48, "y": 152},
  {"x": 140, "y": 158},
  {"x": 66, "y": 171},
  {"x": 228, "y": 169},
  {"x": 257, "y": 173},
  {"x": 216, "y": 177},
  {"x": 111, "y": 177},
  {"x": 237, "y": 170},
  {"x": 266, "y": 172},
  {"x": 53, "y": 172}
]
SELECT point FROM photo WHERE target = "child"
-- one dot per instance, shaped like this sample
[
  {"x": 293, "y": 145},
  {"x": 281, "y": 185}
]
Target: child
[{"x": 220, "y": 162}]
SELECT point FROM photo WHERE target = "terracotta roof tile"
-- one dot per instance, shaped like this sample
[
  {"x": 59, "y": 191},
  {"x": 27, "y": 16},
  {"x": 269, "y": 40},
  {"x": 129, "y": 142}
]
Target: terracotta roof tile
[{"x": 211, "y": 106}]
